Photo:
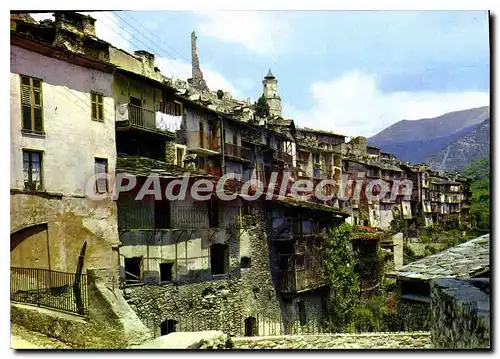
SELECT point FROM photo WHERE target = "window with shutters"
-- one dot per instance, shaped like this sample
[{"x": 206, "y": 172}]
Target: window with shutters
[
  {"x": 101, "y": 169},
  {"x": 97, "y": 106},
  {"x": 32, "y": 168},
  {"x": 31, "y": 103}
]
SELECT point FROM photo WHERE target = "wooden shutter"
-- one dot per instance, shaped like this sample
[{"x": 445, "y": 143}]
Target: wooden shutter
[{"x": 31, "y": 102}]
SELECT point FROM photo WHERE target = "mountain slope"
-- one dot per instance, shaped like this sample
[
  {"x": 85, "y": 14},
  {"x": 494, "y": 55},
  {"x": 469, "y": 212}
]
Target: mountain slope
[
  {"x": 429, "y": 128},
  {"x": 429, "y": 139},
  {"x": 461, "y": 151}
]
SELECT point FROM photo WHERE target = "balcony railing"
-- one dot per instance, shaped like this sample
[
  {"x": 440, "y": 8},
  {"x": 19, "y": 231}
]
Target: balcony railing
[
  {"x": 297, "y": 280},
  {"x": 237, "y": 151},
  {"x": 282, "y": 156},
  {"x": 128, "y": 115},
  {"x": 202, "y": 140}
]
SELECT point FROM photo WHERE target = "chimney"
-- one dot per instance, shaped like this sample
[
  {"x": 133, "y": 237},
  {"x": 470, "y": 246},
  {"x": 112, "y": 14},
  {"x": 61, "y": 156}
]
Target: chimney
[
  {"x": 148, "y": 59},
  {"x": 75, "y": 22}
]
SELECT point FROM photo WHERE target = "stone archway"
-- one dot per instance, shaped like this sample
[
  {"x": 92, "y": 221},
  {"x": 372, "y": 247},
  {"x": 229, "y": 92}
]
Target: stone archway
[{"x": 29, "y": 247}]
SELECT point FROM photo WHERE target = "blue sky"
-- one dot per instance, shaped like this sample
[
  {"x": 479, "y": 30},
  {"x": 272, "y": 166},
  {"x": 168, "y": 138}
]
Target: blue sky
[{"x": 354, "y": 72}]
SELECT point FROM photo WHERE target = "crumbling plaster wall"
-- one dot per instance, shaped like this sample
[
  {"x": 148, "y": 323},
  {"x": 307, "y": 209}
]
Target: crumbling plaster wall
[
  {"x": 68, "y": 166},
  {"x": 187, "y": 245},
  {"x": 70, "y": 223},
  {"x": 72, "y": 139},
  {"x": 218, "y": 304}
]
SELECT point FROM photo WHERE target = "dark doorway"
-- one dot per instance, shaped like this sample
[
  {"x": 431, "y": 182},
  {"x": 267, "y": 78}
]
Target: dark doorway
[
  {"x": 166, "y": 272},
  {"x": 133, "y": 269},
  {"x": 251, "y": 329},
  {"x": 168, "y": 326},
  {"x": 219, "y": 258}
]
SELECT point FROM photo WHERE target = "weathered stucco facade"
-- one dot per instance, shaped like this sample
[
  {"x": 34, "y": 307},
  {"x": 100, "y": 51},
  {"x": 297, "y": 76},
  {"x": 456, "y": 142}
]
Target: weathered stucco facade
[
  {"x": 217, "y": 302},
  {"x": 69, "y": 144}
]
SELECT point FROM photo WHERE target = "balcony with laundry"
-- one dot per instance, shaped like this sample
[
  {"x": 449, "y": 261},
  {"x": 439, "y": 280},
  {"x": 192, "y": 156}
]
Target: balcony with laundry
[{"x": 143, "y": 105}]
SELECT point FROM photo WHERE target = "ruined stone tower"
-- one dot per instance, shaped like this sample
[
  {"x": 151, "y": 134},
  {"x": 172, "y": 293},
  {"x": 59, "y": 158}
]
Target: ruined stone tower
[
  {"x": 271, "y": 94},
  {"x": 197, "y": 76}
]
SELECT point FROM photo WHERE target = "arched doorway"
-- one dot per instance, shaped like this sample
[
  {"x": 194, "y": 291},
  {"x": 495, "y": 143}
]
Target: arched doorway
[
  {"x": 168, "y": 326},
  {"x": 251, "y": 327},
  {"x": 29, "y": 247}
]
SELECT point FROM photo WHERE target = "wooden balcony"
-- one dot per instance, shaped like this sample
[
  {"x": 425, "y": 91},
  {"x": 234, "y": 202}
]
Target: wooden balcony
[
  {"x": 300, "y": 280},
  {"x": 283, "y": 157},
  {"x": 238, "y": 152},
  {"x": 129, "y": 116},
  {"x": 202, "y": 142}
]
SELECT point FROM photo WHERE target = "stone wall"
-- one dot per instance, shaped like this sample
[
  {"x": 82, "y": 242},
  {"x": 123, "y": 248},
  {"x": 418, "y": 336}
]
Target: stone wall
[
  {"x": 414, "y": 314},
  {"x": 460, "y": 313},
  {"x": 222, "y": 303},
  {"x": 417, "y": 340}
]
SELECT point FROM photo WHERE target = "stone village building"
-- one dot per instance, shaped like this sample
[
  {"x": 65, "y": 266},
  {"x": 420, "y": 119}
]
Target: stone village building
[
  {"x": 184, "y": 264},
  {"x": 62, "y": 131}
]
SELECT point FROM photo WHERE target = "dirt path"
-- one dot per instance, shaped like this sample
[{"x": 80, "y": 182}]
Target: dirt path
[{"x": 22, "y": 338}]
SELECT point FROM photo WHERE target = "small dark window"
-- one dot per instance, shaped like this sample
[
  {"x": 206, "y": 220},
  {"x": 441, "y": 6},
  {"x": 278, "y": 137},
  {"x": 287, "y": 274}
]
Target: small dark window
[
  {"x": 162, "y": 214},
  {"x": 219, "y": 258},
  {"x": 213, "y": 213},
  {"x": 202, "y": 163},
  {"x": 245, "y": 262},
  {"x": 168, "y": 326},
  {"x": 366, "y": 223},
  {"x": 251, "y": 327},
  {"x": 179, "y": 156},
  {"x": 302, "y": 312},
  {"x": 32, "y": 168},
  {"x": 97, "y": 106},
  {"x": 177, "y": 109},
  {"x": 166, "y": 272},
  {"x": 31, "y": 102},
  {"x": 201, "y": 136},
  {"x": 101, "y": 169},
  {"x": 133, "y": 269}
]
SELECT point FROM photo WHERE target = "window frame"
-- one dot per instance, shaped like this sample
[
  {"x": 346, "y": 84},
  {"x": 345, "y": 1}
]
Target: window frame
[
  {"x": 32, "y": 106},
  {"x": 96, "y": 159},
  {"x": 92, "y": 102},
  {"x": 178, "y": 106},
  {"x": 30, "y": 171}
]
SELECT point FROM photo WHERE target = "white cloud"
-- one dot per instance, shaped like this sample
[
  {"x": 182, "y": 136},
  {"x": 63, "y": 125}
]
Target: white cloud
[
  {"x": 262, "y": 32},
  {"x": 354, "y": 105}
]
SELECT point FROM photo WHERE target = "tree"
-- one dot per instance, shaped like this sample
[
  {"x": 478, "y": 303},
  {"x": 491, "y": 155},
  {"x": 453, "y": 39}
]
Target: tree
[
  {"x": 262, "y": 107},
  {"x": 338, "y": 263}
]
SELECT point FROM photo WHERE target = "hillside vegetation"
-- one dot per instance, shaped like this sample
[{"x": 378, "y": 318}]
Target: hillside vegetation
[{"x": 479, "y": 172}]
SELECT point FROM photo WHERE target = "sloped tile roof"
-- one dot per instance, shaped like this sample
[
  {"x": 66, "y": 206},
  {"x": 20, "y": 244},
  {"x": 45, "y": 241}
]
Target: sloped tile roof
[{"x": 462, "y": 261}]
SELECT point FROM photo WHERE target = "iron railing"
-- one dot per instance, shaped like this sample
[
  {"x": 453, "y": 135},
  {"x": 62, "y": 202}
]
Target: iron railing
[
  {"x": 48, "y": 288},
  {"x": 139, "y": 117}
]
